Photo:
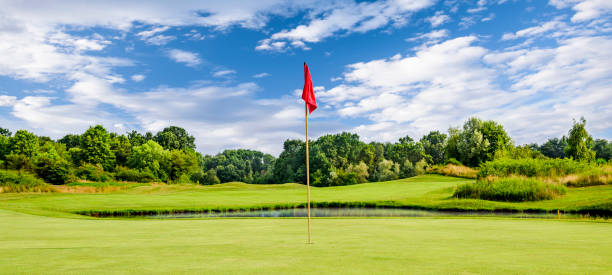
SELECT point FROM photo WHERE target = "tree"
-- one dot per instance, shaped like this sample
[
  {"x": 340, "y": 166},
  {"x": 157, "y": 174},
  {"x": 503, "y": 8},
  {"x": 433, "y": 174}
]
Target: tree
[
  {"x": 434, "y": 145},
  {"x": 554, "y": 147},
  {"x": 5, "y": 132},
  {"x": 174, "y": 137},
  {"x": 121, "y": 148},
  {"x": 603, "y": 149},
  {"x": 70, "y": 140},
  {"x": 579, "y": 142},
  {"x": 471, "y": 144},
  {"x": 183, "y": 163},
  {"x": 477, "y": 142},
  {"x": 151, "y": 157},
  {"x": 23, "y": 143},
  {"x": 496, "y": 135},
  {"x": 96, "y": 148}
]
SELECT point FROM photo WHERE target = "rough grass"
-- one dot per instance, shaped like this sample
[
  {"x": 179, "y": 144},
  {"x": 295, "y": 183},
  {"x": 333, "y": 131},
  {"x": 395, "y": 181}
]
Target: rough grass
[
  {"x": 19, "y": 181},
  {"x": 532, "y": 167},
  {"x": 510, "y": 189},
  {"x": 454, "y": 171},
  {"x": 595, "y": 176}
]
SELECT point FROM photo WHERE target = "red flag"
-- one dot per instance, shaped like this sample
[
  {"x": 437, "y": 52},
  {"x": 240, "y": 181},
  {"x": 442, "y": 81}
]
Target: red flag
[{"x": 308, "y": 93}]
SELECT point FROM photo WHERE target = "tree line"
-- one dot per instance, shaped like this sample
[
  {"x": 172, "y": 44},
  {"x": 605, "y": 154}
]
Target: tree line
[{"x": 337, "y": 159}]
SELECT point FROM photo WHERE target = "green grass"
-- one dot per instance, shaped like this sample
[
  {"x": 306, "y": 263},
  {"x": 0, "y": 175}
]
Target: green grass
[
  {"x": 425, "y": 192},
  {"x": 34, "y": 244},
  {"x": 56, "y": 241}
]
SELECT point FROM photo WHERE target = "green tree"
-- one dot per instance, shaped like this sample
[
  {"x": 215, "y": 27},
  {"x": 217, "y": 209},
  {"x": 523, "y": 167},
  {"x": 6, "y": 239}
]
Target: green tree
[
  {"x": 151, "y": 157},
  {"x": 471, "y": 144},
  {"x": 554, "y": 147},
  {"x": 579, "y": 142},
  {"x": 70, "y": 140},
  {"x": 434, "y": 145},
  {"x": 603, "y": 149},
  {"x": 174, "y": 137},
  {"x": 121, "y": 148},
  {"x": 95, "y": 145},
  {"x": 5, "y": 132},
  {"x": 183, "y": 163},
  {"x": 23, "y": 143}
]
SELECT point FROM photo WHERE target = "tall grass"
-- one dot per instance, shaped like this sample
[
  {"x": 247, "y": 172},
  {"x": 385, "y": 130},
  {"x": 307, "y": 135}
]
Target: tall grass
[
  {"x": 454, "y": 170},
  {"x": 510, "y": 189},
  {"x": 18, "y": 181},
  {"x": 595, "y": 176},
  {"x": 532, "y": 167}
]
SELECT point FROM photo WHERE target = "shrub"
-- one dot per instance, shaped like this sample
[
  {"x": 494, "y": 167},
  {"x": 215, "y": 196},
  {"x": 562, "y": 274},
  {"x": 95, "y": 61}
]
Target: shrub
[
  {"x": 207, "y": 178},
  {"x": 343, "y": 178},
  {"x": 92, "y": 172},
  {"x": 19, "y": 181},
  {"x": 454, "y": 161},
  {"x": 509, "y": 189},
  {"x": 53, "y": 170},
  {"x": 532, "y": 167},
  {"x": 454, "y": 170},
  {"x": 127, "y": 174}
]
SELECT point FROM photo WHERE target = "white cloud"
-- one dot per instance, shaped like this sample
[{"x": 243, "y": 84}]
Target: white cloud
[
  {"x": 585, "y": 9},
  {"x": 6, "y": 100},
  {"x": 138, "y": 77},
  {"x": 224, "y": 73},
  {"x": 445, "y": 83},
  {"x": 261, "y": 75},
  {"x": 347, "y": 17},
  {"x": 438, "y": 19},
  {"x": 190, "y": 59}
]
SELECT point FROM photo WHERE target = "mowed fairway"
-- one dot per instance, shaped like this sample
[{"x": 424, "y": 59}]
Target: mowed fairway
[
  {"x": 39, "y": 233},
  {"x": 427, "y": 191},
  {"x": 34, "y": 244}
]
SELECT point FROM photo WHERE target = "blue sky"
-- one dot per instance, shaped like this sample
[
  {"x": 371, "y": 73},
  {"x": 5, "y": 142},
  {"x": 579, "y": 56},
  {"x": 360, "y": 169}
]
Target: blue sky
[{"x": 230, "y": 72}]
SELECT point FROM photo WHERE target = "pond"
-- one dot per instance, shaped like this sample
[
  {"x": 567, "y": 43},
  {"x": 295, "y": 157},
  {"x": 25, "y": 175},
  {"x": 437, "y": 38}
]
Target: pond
[{"x": 354, "y": 212}]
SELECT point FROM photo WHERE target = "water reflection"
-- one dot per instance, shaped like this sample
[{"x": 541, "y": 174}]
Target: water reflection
[{"x": 355, "y": 212}]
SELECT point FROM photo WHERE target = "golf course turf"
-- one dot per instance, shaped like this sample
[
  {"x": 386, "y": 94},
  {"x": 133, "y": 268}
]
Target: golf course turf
[{"x": 39, "y": 233}]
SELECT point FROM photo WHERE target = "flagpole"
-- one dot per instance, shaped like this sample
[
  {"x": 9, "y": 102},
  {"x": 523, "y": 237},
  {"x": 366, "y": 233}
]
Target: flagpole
[{"x": 307, "y": 172}]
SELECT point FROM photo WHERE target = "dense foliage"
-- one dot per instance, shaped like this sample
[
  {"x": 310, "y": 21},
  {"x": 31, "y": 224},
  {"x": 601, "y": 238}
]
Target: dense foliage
[
  {"x": 532, "y": 167},
  {"x": 335, "y": 159},
  {"x": 510, "y": 189}
]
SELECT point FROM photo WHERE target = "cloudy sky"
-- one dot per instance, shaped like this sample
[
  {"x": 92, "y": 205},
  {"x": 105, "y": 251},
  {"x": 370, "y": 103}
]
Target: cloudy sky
[{"x": 230, "y": 72}]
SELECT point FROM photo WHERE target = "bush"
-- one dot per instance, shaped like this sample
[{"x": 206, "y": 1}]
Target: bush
[
  {"x": 454, "y": 171},
  {"x": 343, "y": 178},
  {"x": 19, "y": 181},
  {"x": 454, "y": 161},
  {"x": 509, "y": 189},
  {"x": 207, "y": 178},
  {"x": 53, "y": 170},
  {"x": 127, "y": 174},
  {"x": 532, "y": 167},
  {"x": 92, "y": 172}
]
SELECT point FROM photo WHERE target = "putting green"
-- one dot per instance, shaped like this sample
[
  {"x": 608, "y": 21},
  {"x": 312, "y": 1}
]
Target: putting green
[{"x": 38, "y": 244}]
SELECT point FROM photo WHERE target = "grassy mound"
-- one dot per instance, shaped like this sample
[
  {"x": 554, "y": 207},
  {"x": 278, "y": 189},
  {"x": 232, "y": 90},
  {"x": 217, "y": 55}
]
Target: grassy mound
[
  {"x": 510, "y": 189},
  {"x": 454, "y": 171},
  {"x": 17, "y": 181}
]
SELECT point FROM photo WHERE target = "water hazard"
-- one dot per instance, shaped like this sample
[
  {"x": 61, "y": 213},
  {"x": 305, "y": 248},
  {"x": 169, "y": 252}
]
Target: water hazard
[{"x": 354, "y": 212}]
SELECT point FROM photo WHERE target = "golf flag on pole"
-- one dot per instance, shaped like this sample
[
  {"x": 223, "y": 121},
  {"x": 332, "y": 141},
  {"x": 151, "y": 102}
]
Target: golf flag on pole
[
  {"x": 310, "y": 104},
  {"x": 308, "y": 93}
]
